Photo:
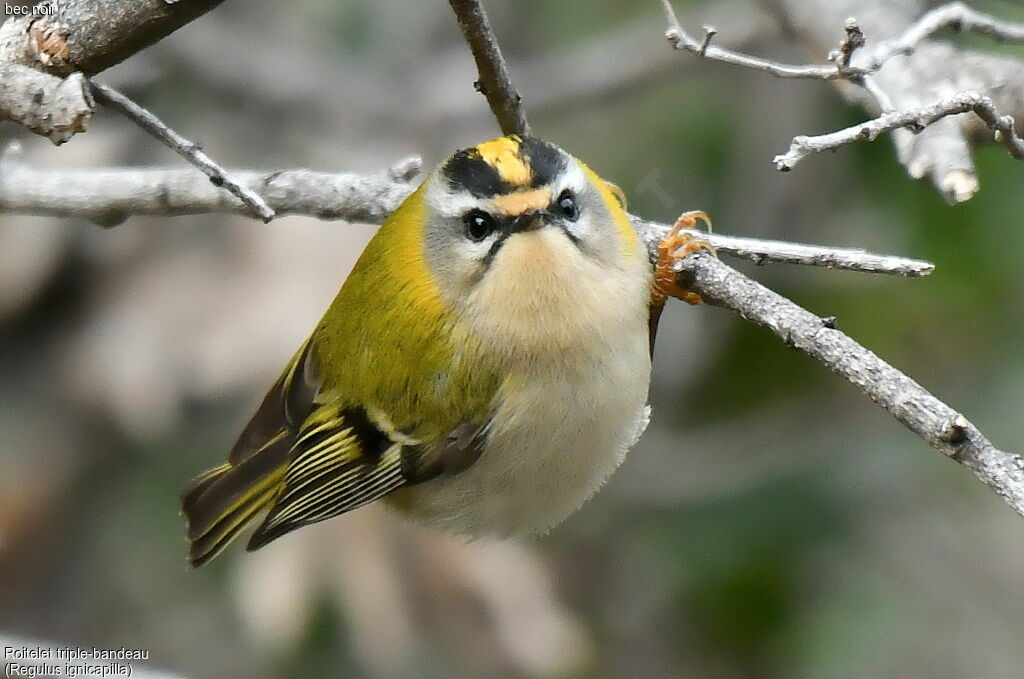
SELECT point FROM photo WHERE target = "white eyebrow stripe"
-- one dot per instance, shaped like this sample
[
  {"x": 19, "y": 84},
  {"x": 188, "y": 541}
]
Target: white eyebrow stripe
[
  {"x": 570, "y": 178},
  {"x": 446, "y": 202}
]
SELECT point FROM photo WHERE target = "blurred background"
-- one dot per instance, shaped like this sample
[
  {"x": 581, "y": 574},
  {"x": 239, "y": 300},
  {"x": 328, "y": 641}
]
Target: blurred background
[{"x": 772, "y": 522}]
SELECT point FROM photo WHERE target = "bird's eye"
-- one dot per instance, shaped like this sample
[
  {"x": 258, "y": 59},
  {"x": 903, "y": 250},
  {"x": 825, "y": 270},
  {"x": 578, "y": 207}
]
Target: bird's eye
[
  {"x": 567, "y": 206},
  {"x": 479, "y": 225}
]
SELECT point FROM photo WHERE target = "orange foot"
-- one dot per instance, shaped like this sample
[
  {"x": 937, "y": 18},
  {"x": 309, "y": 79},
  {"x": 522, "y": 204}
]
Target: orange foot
[{"x": 672, "y": 248}]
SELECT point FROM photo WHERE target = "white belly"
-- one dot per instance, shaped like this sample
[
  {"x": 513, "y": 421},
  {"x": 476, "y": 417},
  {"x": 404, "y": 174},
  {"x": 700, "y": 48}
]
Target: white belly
[{"x": 558, "y": 433}]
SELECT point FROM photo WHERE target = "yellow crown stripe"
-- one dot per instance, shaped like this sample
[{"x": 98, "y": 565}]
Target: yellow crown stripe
[{"x": 504, "y": 155}]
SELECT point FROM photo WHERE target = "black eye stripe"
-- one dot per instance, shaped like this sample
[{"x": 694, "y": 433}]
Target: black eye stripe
[{"x": 493, "y": 251}]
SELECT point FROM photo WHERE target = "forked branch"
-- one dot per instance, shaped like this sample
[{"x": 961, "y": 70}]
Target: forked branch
[
  {"x": 188, "y": 150},
  {"x": 915, "y": 120},
  {"x": 857, "y": 63}
]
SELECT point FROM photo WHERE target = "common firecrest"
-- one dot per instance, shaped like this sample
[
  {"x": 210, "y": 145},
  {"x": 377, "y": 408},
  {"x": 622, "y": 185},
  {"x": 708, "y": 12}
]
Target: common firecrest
[{"x": 484, "y": 367}]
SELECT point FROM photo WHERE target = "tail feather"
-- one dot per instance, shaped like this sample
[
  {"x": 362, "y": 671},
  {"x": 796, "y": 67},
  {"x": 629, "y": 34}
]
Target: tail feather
[
  {"x": 190, "y": 496},
  {"x": 219, "y": 504},
  {"x": 211, "y": 544}
]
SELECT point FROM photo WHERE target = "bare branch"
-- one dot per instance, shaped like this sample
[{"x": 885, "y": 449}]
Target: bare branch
[
  {"x": 850, "y": 259},
  {"x": 875, "y": 91},
  {"x": 842, "y": 67},
  {"x": 905, "y": 99},
  {"x": 928, "y": 73},
  {"x": 495, "y": 82},
  {"x": 54, "y": 107},
  {"x": 295, "y": 70},
  {"x": 93, "y": 35},
  {"x": 762, "y": 251},
  {"x": 109, "y": 196},
  {"x": 188, "y": 150},
  {"x": 939, "y": 425},
  {"x": 914, "y": 120},
  {"x": 681, "y": 40},
  {"x": 76, "y": 36},
  {"x": 955, "y": 15}
]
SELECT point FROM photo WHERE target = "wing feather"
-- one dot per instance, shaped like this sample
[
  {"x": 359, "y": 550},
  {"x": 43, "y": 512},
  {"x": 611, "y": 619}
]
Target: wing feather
[
  {"x": 284, "y": 408},
  {"x": 341, "y": 460}
]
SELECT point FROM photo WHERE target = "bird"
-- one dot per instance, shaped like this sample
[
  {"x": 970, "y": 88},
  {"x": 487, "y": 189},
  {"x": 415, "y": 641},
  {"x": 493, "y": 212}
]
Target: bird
[{"x": 483, "y": 369}]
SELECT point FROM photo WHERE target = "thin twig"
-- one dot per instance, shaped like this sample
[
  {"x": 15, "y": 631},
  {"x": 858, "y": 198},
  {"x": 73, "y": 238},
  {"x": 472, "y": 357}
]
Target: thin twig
[
  {"x": 841, "y": 68},
  {"x": 762, "y": 251},
  {"x": 939, "y": 425},
  {"x": 915, "y": 120},
  {"x": 955, "y": 15},
  {"x": 875, "y": 91},
  {"x": 188, "y": 150},
  {"x": 681, "y": 40},
  {"x": 843, "y": 58},
  {"x": 495, "y": 82}
]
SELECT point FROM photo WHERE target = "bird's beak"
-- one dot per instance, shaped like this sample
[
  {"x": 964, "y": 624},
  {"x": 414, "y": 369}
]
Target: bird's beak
[{"x": 531, "y": 220}]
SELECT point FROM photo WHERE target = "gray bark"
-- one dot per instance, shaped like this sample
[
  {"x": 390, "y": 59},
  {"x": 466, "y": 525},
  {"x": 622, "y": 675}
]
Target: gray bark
[
  {"x": 92, "y": 35},
  {"x": 935, "y": 70},
  {"x": 48, "y": 105}
]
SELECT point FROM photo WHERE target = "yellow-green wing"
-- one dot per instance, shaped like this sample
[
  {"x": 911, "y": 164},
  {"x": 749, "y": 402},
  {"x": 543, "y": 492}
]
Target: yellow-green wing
[{"x": 341, "y": 460}]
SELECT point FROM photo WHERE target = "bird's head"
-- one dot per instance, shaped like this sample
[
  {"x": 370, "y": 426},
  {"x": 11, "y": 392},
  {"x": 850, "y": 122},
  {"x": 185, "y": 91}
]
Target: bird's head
[
  {"x": 518, "y": 232},
  {"x": 517, "y": 202}
]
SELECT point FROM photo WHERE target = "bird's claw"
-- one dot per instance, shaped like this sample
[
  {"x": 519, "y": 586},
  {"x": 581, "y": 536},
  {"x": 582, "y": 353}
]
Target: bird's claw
[{"x": 676, "y": 245}]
